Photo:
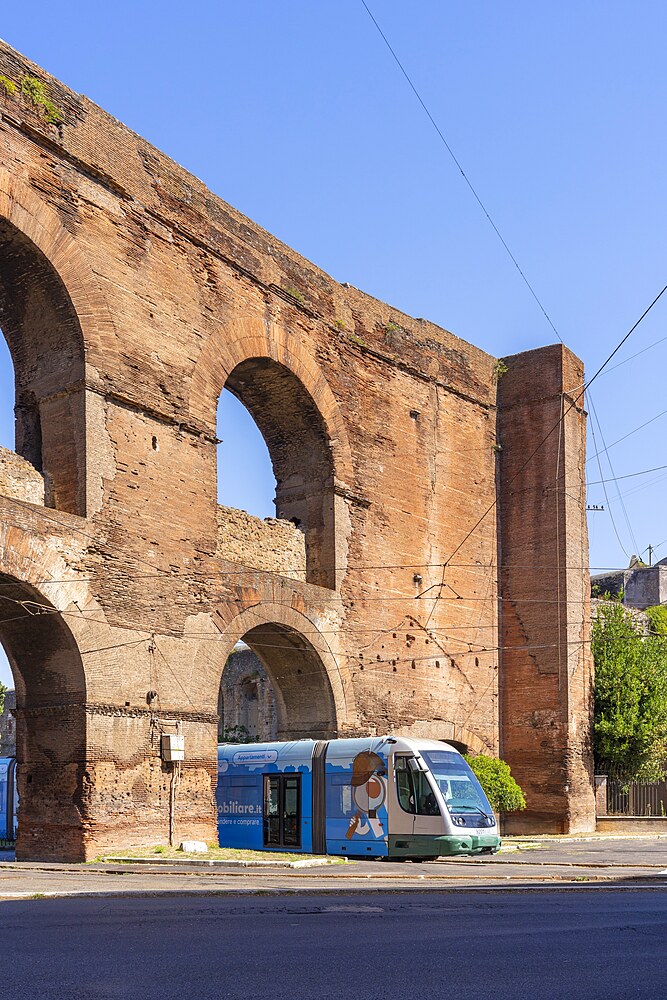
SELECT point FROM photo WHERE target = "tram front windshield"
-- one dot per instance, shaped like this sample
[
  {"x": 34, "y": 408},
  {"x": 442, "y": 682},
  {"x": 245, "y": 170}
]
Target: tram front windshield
[{"x": 460, "y": 788}]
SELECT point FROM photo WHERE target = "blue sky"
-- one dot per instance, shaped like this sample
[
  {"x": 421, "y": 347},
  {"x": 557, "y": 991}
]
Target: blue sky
[{"x": 296, "y": 114}]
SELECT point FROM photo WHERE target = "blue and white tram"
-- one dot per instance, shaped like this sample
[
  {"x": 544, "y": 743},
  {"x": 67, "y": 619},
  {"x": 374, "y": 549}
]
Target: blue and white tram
[
  {"x": 9, "y": 800},
  {"x": 374, "y": 797}
]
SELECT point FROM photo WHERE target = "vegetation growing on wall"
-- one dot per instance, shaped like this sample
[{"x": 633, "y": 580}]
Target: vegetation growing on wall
[
  {"x": 235, "y": 734},
  {"x": 294, "y": 293},
  {"x": 35, "y": 91},
  {"x": 496, "y": 779},
  {"x": 630, "y": 713}
]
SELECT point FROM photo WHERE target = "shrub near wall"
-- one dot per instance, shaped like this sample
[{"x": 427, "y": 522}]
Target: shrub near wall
[{"x": 496, "y": 779}]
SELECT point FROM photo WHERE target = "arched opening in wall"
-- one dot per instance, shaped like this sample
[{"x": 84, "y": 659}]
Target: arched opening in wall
[
  {"x": 245, "y": 474},
  {"x": 246, "y": 702},
  {"x": 275, "y": 687},
  {"x": 49, "y": 716},
  {"x": 298, "y": 444},
  {"x": 461, "y": 747},
  {"x": 6, "y": 397},
  {"x": 45, "y": 344}
]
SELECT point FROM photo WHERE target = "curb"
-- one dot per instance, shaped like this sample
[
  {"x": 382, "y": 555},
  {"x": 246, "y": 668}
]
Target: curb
[
  {"x": 524, "y": 885},
  {"x": 222, "y": 863}
]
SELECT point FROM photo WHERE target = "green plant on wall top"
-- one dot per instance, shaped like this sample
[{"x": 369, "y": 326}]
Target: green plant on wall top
[
  {"x": 294, "y": 293},
  {"x": 35, "y": 91},
  {"x": 496, "y": 779},
  {"x": 500, "y": 369}
]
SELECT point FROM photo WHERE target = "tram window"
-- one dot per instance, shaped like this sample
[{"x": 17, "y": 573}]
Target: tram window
[
  {"x": 404, "y": 789},
  {"x": 415, "y": 794},
  {"x": 406, "y": 797},
  {"x": 339, "y": 795},
  {"x": 291, "y": 811},
  {"x": 426, "y": 804},
  {"x": 272, "y": 811}
]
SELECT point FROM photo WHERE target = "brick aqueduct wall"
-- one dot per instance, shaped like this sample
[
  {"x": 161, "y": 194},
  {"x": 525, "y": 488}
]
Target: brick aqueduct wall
[{"x": 129, "y": 297}]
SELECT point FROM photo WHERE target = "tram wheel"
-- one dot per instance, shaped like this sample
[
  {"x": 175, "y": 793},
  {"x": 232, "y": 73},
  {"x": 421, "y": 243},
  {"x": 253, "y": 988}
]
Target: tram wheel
[{"x": 419, "y": 861}]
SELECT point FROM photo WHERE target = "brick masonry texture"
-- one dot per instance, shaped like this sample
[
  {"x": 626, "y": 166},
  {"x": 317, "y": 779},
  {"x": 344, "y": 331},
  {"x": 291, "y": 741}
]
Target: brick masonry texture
[
  {"x": 271, "y": 545},
  {"x": 130, "y": 296},
  {"x": 19, "y": 479}
]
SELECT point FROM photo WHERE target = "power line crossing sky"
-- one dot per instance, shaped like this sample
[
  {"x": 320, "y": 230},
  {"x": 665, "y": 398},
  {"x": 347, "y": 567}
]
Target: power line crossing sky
[{"x": 298, "y": 115}]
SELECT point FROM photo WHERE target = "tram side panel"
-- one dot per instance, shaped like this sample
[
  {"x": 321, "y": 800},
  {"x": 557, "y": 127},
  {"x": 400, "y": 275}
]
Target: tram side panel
[
  {"x": 357, "y": 781},
  {"x": 264, "y": 797}
]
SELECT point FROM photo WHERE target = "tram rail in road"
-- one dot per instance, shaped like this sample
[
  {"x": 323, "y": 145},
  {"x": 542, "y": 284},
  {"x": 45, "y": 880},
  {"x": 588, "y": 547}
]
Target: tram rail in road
[{"x": 627, "y": 864}]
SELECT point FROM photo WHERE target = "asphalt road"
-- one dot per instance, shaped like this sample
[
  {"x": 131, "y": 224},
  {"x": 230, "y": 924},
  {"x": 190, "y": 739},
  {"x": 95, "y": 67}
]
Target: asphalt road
[{"x": 579, "y": 943}]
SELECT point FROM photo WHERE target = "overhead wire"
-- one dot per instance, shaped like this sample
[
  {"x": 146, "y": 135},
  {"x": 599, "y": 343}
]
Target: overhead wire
[
  {"x": 628, "y": 475},
  {"x": 606, "y": 495},
  {"x": 641, "y": 427},
  {"x": 620, "y": 498},
  {"x": 456, "y": 160}
]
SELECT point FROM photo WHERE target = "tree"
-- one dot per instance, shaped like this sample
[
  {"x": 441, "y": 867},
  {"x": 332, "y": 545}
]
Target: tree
[
  {"x": 496, "y": 779},
  {"x": 3, "y": 692},
  {"x": 630, "y": 714}
]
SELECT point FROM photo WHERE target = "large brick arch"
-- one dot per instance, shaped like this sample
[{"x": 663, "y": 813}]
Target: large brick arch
[
  {"x": 54, "y": 320},
  {"x": 50, "y": 682},
  {"x": 314, "y": 695},
  {"x": 31, "y": 216},
  {"x": 245, "y": 337}
]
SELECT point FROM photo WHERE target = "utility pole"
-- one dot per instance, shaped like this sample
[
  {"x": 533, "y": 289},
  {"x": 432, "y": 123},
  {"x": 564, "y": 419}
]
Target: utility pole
[{"x": 650, "y": 555}]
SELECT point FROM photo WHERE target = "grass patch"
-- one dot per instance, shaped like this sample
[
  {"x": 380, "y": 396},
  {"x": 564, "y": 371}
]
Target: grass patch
[
  {"x": 294, "y": 293},
  {"x": 214, "y": 853}
]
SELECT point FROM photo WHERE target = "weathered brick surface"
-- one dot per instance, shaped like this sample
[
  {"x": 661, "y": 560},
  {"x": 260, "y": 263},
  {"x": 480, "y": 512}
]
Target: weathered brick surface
[
  {"x": 130, "y": 296},
  {"x": 547, "y": 664},
  {"x": 19, "y": 479},
  {"x": 271, "y": 545}
]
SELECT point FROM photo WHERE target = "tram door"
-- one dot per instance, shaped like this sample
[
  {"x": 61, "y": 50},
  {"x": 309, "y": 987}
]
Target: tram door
[
  {"x": 419, "y": 808},
  {"x": 282, "y": 810}
]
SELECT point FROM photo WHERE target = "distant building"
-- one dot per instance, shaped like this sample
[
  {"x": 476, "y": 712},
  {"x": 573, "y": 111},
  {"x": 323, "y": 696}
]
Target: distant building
[
  {"x": 8, "y": 726},
  {"x": 640, "y": 586}
]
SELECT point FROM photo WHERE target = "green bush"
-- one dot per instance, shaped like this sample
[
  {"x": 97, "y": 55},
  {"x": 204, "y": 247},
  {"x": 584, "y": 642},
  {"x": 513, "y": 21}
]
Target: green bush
[
  {"x": 496, "y": 779},
  {"x": 657, "y": 619}
]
